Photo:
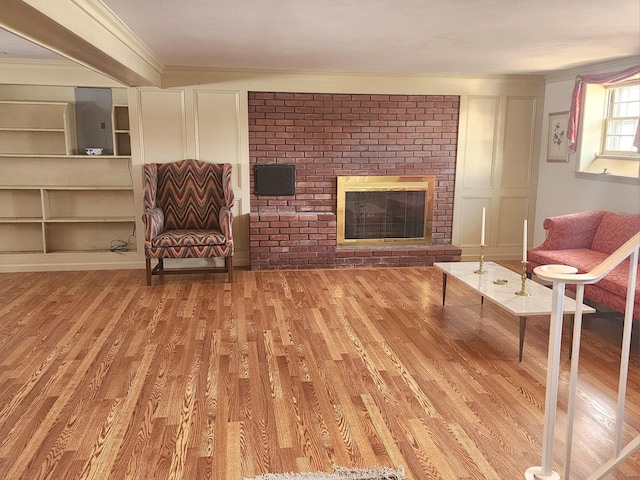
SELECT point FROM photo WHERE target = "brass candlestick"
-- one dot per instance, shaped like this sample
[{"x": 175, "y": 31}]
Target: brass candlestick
[
  {"x": 523, "y": 278},
  {"x": 481, "y": 270}
]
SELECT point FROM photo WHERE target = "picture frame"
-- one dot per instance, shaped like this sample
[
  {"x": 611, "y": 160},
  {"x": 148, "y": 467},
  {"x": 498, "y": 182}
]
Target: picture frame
[{"x": 557, "y": 143}]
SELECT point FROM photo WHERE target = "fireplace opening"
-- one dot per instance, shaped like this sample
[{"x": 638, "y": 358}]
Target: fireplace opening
[{"x": 380, "y": 210}]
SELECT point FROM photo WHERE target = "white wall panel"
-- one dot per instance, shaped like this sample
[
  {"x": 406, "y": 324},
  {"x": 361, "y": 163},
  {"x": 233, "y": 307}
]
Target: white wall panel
[
  {"x": 162, "y": 121},
  {"x": 497, "y": 151},
  {"x": 518, "y": 148},
  {"x": 471, "y": 219},
  {"x": 221, "y": 130},
  {"x": 480, "y": 140},
  {"x": 511, "y": 215},
  {"x": 217, "y": 130}
]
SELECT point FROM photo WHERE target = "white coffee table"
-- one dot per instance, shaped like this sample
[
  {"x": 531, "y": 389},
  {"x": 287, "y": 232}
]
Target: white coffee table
[{"x": 504, "y": 294}]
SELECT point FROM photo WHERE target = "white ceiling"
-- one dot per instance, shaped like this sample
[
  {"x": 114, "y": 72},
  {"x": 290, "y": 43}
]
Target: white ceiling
[
  {"x": 14, "y": 47},
  {"x": 468, "y": 37}
]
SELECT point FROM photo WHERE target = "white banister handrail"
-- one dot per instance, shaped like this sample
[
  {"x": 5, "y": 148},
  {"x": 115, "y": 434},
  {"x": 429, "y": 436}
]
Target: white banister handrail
[{"x": 560, "y": 277}]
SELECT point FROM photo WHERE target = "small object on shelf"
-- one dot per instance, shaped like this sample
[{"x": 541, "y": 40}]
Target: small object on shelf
[
  {"x": 93, "y": 151},
  {"x": 500, "y": 281}
]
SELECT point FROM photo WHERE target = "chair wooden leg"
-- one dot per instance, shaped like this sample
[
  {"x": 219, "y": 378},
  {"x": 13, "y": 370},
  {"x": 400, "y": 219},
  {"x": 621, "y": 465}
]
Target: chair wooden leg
[
  {"x": 148, "y": 263},
  {"x": 229, "y": 263}
]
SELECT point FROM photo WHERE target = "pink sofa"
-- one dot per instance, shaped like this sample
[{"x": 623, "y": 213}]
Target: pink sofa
[{"x": 583, "y": 240}]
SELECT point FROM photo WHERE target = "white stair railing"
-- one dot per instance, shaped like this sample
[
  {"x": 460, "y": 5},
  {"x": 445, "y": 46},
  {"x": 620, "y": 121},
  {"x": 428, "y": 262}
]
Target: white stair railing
[{"x": 559, "y": 277}]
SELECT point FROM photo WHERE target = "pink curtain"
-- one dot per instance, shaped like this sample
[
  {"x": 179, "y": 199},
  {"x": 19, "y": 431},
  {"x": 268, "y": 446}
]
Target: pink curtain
[{"x": 577, "y": 100}]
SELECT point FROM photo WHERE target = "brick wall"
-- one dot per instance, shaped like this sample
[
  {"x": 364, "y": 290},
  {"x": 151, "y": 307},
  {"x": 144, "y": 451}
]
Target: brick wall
[{"x": 327, "y": 135}]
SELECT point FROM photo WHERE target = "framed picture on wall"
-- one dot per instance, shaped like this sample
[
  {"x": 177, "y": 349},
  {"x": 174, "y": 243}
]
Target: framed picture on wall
[{"x": 557, "y": 143}]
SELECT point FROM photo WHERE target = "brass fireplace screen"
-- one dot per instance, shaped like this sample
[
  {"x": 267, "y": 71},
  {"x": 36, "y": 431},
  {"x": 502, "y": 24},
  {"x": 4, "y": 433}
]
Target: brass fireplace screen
[{"x": 379, "y": 210}]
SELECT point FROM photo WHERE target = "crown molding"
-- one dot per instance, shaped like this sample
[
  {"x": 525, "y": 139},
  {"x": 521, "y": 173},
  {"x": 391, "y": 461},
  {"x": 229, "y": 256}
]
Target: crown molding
[
  {"x": 252, "y": 72},
  {"x": 345, "y": 82}
]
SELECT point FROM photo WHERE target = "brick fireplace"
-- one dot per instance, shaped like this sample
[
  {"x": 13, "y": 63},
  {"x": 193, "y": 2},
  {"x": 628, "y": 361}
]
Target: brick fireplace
[{"x": 331, "y": 135}]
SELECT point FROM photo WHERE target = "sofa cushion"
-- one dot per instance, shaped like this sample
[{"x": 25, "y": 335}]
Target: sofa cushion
[
  {"x": 586, "y": 260},
  {"x": 583, "y": 259},
  {"x": 188, "y": 238},
  {"x": 614, "y": 231}
]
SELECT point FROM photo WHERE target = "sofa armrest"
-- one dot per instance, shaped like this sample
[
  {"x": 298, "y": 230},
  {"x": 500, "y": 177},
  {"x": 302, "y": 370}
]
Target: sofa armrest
[
  {"x": 575, "y": 230},
  {"x": 153, "y": 220}
]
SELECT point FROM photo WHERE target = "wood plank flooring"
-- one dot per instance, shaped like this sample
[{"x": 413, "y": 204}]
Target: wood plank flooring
[{"x": 102, "y": 377}]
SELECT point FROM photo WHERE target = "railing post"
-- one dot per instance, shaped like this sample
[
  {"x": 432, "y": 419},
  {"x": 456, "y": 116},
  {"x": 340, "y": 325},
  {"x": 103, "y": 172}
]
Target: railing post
[
  {"x": 626, "y": 350},
  {"x": 573, "y": 379},
  {"x": 545, "y": 471}
]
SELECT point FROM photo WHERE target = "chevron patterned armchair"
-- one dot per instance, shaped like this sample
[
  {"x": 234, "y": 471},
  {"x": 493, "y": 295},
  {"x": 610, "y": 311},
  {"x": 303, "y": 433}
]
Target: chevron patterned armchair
[{"x": 188, "y": 214}]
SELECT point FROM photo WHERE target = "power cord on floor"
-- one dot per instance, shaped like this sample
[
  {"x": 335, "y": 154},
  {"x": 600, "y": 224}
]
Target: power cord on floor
[{"x": 122, "y": 246}]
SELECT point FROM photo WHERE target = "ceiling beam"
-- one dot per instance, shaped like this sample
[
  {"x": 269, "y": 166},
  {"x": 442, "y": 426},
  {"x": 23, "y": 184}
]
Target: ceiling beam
[{"x": 88, "y": 33}]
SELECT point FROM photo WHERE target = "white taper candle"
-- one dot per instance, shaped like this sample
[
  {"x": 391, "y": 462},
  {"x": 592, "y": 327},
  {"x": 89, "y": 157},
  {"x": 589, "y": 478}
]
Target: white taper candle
[
  {"x": 482, "y": 228},
  {"x": 524, "y": 242}
]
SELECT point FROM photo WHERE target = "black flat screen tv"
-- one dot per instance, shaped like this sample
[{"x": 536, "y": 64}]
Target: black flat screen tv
[{"x": 277, "y": 179}]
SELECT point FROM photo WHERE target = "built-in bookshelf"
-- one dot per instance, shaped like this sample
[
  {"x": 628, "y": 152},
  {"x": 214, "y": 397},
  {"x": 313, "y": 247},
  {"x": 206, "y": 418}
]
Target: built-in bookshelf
[
  {"x": 121, "y": 137},
  {"x": 56, "y": 207},
  {"x": 34, "y": 128}
]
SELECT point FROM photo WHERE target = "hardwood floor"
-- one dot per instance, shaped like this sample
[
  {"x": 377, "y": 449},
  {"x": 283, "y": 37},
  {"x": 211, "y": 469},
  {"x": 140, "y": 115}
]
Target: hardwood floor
[{"x": 102, "y": 377}]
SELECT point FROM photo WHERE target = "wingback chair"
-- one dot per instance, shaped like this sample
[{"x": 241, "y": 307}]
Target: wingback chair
[{"x": 188, "y": 214}]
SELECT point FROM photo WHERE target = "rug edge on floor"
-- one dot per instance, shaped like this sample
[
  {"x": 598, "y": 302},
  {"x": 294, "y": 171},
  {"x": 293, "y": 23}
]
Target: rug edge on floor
[{"x": 339, "y": 473}]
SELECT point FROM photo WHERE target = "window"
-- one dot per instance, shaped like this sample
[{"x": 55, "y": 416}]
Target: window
[
  {"x": 604, "y": 110},
  {"x": 621, "y": 122},
  {"x": 609, "y": 122}
]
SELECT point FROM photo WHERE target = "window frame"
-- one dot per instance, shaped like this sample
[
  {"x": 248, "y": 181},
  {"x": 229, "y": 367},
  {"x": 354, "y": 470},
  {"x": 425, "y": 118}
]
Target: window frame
[
  {"x": 611, "y": 92},
  {"x": 591, "y": 163}
]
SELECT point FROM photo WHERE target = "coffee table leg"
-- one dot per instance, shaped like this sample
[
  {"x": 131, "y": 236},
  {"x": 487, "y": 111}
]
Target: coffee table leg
[
  {"x": 523, "y": 326},
  {"x": 444, "y": 287}
]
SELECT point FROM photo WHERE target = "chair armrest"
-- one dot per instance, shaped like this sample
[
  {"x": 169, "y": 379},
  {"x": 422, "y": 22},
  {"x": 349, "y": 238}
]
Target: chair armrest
[
  {"x": 153, "y": 220},
  {"x": 576, "y": 230},
  {"x": 225, "y": 218}
]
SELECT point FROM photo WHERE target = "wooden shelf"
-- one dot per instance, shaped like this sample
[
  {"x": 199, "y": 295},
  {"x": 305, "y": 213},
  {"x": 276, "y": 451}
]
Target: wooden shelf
[
  {"x": 89, "y": 236},
  {"x": 22, "y": 237},
  {"x": 34, "y": 115},
  {"x": 33, "y": 142},
  {"x": 53, "y": 202},
  {"x": 62, "y": 155},
  {"x": 20, "y": 219},
  {"x": 58, "y": 130},
  {"x": 88, "y": 219},
  {"x": 34, "y": 128},
  {"x": 66, "y": 187},
  {"x": 65, "y": 171}
]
